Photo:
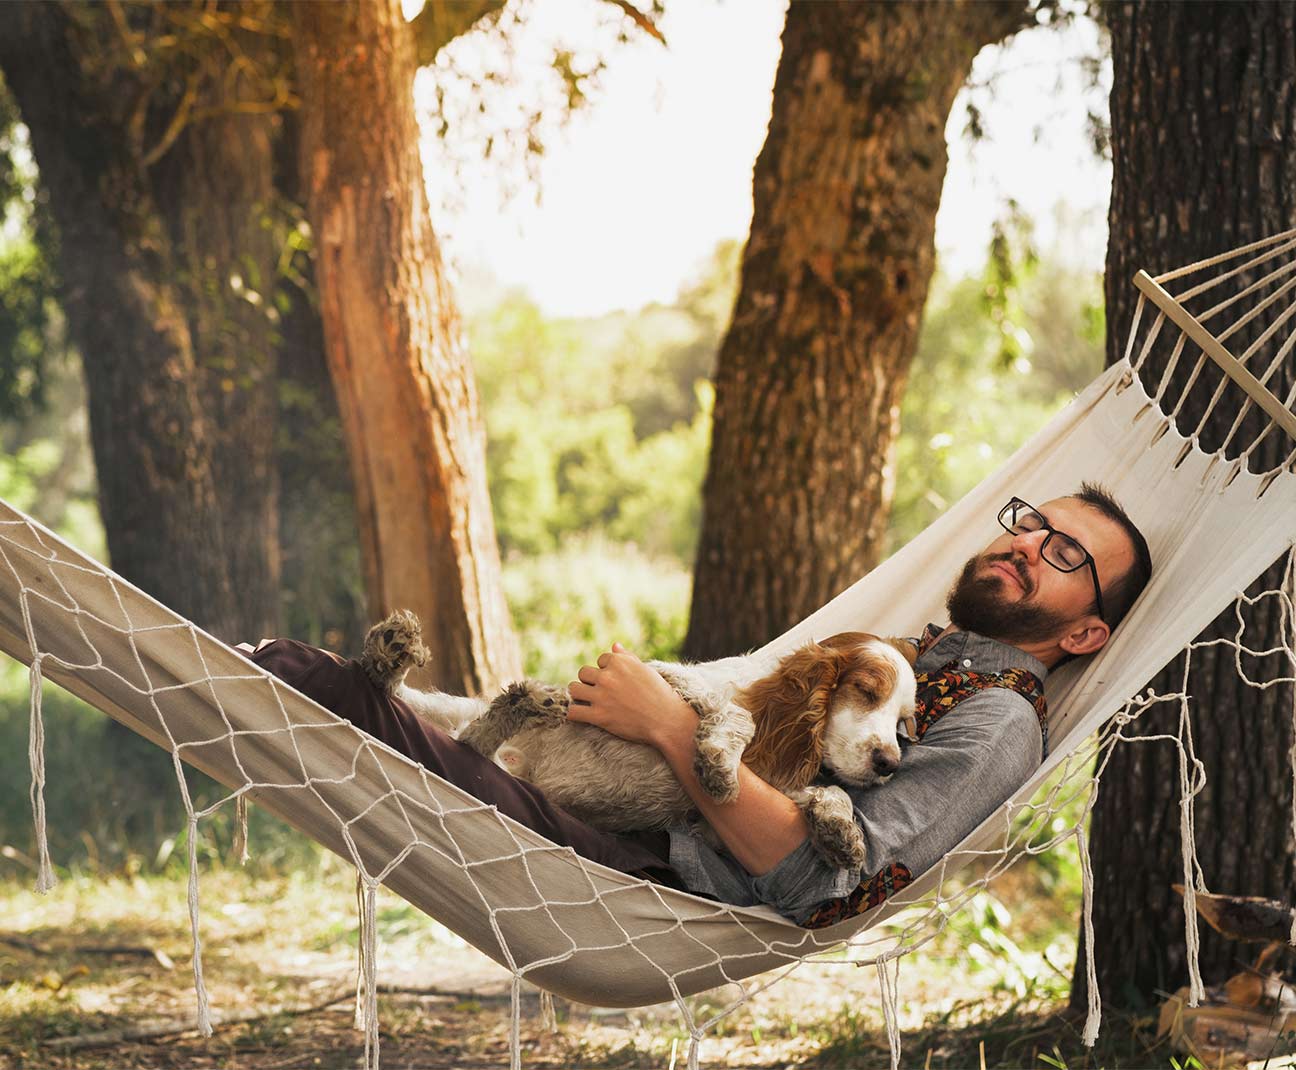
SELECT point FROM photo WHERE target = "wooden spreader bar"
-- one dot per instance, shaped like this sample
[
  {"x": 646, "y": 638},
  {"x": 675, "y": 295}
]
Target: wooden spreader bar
[{"x": 1213, "y": 348}]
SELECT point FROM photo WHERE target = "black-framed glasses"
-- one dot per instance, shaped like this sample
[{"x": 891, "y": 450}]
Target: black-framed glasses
[{"x": 1060, "y": 550}]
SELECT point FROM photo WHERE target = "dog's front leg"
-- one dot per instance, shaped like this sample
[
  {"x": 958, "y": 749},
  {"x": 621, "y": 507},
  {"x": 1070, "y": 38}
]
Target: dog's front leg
[
  {"x": 833, "y": 831},
  {"x": 448, "y": 712},
  {"x": 723, "y": 733},
  {"x": 516, "y": 707}
]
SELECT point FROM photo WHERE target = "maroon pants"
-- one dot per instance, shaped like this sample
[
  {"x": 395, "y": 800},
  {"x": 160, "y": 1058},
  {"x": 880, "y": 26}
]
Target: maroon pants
[{"x": 343, "y": 687}]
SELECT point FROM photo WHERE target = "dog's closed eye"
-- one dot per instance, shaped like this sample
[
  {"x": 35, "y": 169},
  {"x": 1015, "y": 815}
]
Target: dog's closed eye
[
  {"x": 866, "y": 690},
  {"x": 873, "y": 681}
]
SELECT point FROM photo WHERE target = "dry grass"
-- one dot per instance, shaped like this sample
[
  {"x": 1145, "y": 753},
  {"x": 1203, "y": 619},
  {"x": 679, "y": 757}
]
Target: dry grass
[{"x": 274, "y": 945}]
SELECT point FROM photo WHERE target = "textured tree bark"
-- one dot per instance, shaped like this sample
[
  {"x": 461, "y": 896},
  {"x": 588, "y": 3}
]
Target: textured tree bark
[
  {"x": 404, "y": 385},
  {"x": 151, "y": 443},
  {"x": 1204, "y": 154},
  {"x": 216, "y": 195},
  {"x": 834, "y": 278}
]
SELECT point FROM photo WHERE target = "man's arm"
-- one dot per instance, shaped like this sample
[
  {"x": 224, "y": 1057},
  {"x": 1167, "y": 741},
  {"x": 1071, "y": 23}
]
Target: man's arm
[
  {"x": 622, "y": 695},
  {"x": 761, "y": 827}
]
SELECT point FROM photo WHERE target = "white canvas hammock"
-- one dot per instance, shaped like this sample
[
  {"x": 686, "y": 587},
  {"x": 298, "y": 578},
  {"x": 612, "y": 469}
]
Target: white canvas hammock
[{"x": 599, "y": 936}]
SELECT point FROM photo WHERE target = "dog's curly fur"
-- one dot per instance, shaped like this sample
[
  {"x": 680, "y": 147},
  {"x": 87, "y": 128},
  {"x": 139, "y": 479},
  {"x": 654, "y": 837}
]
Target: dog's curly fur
[{"x": 783, "y": 718}]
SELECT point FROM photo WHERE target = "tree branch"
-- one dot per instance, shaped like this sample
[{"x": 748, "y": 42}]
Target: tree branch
[
  {"x": 1246, "y": 918},
  {"x": 36, "y": 948},
  {"x": 639, "y": 19},
  {"x": 441, "y": 21}
]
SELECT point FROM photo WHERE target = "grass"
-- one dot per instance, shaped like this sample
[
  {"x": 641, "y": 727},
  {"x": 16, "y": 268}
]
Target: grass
[{"x": 276, "y": 942}]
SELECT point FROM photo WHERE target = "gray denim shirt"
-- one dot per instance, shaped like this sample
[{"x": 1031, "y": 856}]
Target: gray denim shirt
[{"x": 968, "y": 763}]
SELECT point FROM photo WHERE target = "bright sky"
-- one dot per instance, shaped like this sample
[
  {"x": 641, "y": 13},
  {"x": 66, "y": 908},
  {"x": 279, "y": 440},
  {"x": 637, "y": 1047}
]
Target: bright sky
[{"x": 642, "y": 183}]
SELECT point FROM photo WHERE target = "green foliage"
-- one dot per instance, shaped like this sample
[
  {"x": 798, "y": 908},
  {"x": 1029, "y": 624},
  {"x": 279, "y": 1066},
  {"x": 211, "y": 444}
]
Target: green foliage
[
  {"x": 981, "y": 385},
  {"x": 601, "y": 426},
  {"x": 572, "y": 604},
  {"x": 28, "y": 310}
]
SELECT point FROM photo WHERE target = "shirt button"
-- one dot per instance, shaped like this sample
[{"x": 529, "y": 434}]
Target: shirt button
[{"x": 967, "y": 663}]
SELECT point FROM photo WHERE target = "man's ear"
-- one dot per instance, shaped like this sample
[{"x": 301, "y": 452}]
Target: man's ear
[{"x": 1087, "y": 635}]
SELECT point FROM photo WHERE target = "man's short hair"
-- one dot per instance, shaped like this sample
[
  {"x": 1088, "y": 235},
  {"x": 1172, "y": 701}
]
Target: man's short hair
[{"x": 1121, "y": 593}]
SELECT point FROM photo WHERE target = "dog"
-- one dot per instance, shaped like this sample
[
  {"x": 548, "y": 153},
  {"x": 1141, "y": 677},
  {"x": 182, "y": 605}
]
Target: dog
[{"x": 834, "y": 704}]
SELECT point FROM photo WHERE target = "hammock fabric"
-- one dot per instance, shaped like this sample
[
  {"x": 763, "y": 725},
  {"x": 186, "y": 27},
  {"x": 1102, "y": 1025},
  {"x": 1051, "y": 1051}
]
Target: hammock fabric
[{"x": 602, "y": 937}]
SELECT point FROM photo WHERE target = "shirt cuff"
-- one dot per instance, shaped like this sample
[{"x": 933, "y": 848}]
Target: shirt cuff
[{"x": 801, "y": 881}]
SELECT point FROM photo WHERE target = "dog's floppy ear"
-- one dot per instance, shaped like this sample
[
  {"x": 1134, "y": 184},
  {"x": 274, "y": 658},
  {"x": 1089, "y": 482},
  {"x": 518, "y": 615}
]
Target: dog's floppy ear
[
  {"x": 907, "y": 650},
  {"x": 790, "y": 708}
]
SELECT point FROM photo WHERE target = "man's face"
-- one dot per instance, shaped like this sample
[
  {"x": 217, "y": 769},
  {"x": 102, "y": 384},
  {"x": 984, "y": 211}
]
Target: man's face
[{"x": 1009, "y": 592}]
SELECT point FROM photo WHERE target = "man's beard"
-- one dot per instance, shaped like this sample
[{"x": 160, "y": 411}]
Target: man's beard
[{"x": 977, "y": 604}]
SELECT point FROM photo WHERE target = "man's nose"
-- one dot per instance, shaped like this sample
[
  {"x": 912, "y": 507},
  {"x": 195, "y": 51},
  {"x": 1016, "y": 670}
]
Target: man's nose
[{"x": 1030, "y": 543}]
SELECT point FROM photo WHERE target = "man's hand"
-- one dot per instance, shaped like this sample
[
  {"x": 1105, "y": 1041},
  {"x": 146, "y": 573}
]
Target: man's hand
[{"x": 624, "y": 696}]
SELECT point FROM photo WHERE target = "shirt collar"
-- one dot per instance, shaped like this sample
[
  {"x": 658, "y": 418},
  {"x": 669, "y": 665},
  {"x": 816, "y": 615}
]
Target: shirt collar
[{"x": 973, "y": 651}]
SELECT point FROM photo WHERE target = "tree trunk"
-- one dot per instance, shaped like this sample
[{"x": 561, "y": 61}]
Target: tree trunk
[
  {"x": 1204, "y": 155},
  {"x": 324, "y": 596},
  {"x": 168, "y": 258},
  {"x": 215, "y": 190},
  {"x": 404, "y": 385},
  {"x": 152, "y": 453},
  {"x": 834, "y": 278}
]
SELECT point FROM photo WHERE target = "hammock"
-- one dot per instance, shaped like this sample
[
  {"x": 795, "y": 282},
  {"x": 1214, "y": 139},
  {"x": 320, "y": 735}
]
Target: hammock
[{"x": 598, "y": 936}]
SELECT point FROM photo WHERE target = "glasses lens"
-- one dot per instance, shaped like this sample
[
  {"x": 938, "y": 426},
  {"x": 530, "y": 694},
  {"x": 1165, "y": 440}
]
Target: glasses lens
[
  {"x": 1064, "y": 552},
  {"x": 1020, "y": 518}
]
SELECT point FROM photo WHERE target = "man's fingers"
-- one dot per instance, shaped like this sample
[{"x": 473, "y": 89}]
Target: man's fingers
[
  {"x": 580, "y": 692},
  {"x": 588, "y": 675},
  {"x": 603, "y": 660}
]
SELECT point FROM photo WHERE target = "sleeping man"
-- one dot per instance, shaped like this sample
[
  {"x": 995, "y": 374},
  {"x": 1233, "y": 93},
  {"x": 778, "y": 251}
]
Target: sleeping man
[{"x": 1051, "y": 587}]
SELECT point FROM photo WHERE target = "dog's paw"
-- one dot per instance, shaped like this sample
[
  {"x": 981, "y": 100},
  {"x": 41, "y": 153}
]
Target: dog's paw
[
  {"x": 531, "y": 698},
  {"x": 393, "y": 647},
  {"x": 722, "y": 735},
  {"x": 716, "y": 771},
  {"x": 833, "y": 831}
]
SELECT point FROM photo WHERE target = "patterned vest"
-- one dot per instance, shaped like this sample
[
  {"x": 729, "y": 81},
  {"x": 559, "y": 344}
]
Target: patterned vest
[{"x": 939, "y": 692}]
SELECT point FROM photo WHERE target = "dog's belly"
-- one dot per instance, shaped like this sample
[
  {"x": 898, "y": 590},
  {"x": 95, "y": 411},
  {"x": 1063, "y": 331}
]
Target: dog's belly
[{"x": 609, "y": 783}]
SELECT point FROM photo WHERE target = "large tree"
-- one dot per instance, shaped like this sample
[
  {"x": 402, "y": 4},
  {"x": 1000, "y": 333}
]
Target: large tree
[
  {"x": 154, "y": 214},
  {"x": 1203, "y": 129},
  {"x": 405, "y": 387},
  {"x": 834, "y": 278}
]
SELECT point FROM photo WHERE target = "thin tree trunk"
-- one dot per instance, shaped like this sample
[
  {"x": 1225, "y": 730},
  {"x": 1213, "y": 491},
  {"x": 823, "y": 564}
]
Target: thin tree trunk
[
  {"x": 834, "y": 278},
  {"x": 1204, "y": 153},
  {"x": 404, "y": 385}
]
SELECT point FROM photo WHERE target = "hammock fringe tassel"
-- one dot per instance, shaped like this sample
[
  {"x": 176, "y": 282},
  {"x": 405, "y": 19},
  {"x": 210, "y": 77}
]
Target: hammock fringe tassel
[
  {"x": 240, "y": 846},
  {"x": 1093, "y": 1020},
  {"x": 36, "y": 756},
  {"x": 890, "y": 986},
  {"x": 200, "y": 986}
]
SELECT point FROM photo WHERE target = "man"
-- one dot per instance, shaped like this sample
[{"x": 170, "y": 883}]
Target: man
[{"x": 1052, "y": 587}]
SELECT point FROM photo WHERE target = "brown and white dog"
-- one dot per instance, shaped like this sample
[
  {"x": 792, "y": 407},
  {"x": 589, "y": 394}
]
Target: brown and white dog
[{"x": 836, "y": 703}]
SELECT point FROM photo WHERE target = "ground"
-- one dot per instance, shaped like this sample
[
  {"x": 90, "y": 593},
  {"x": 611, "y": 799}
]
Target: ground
[{"x": 100, "y": 955}]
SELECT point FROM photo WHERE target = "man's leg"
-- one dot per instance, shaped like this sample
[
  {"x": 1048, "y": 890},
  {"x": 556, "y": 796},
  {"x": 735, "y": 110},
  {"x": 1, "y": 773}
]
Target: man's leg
[{"x": 343, "y": 687}]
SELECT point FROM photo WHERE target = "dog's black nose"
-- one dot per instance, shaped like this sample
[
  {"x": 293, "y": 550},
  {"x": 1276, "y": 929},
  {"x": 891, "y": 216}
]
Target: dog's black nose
[{"x": 884, "y": 765}]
